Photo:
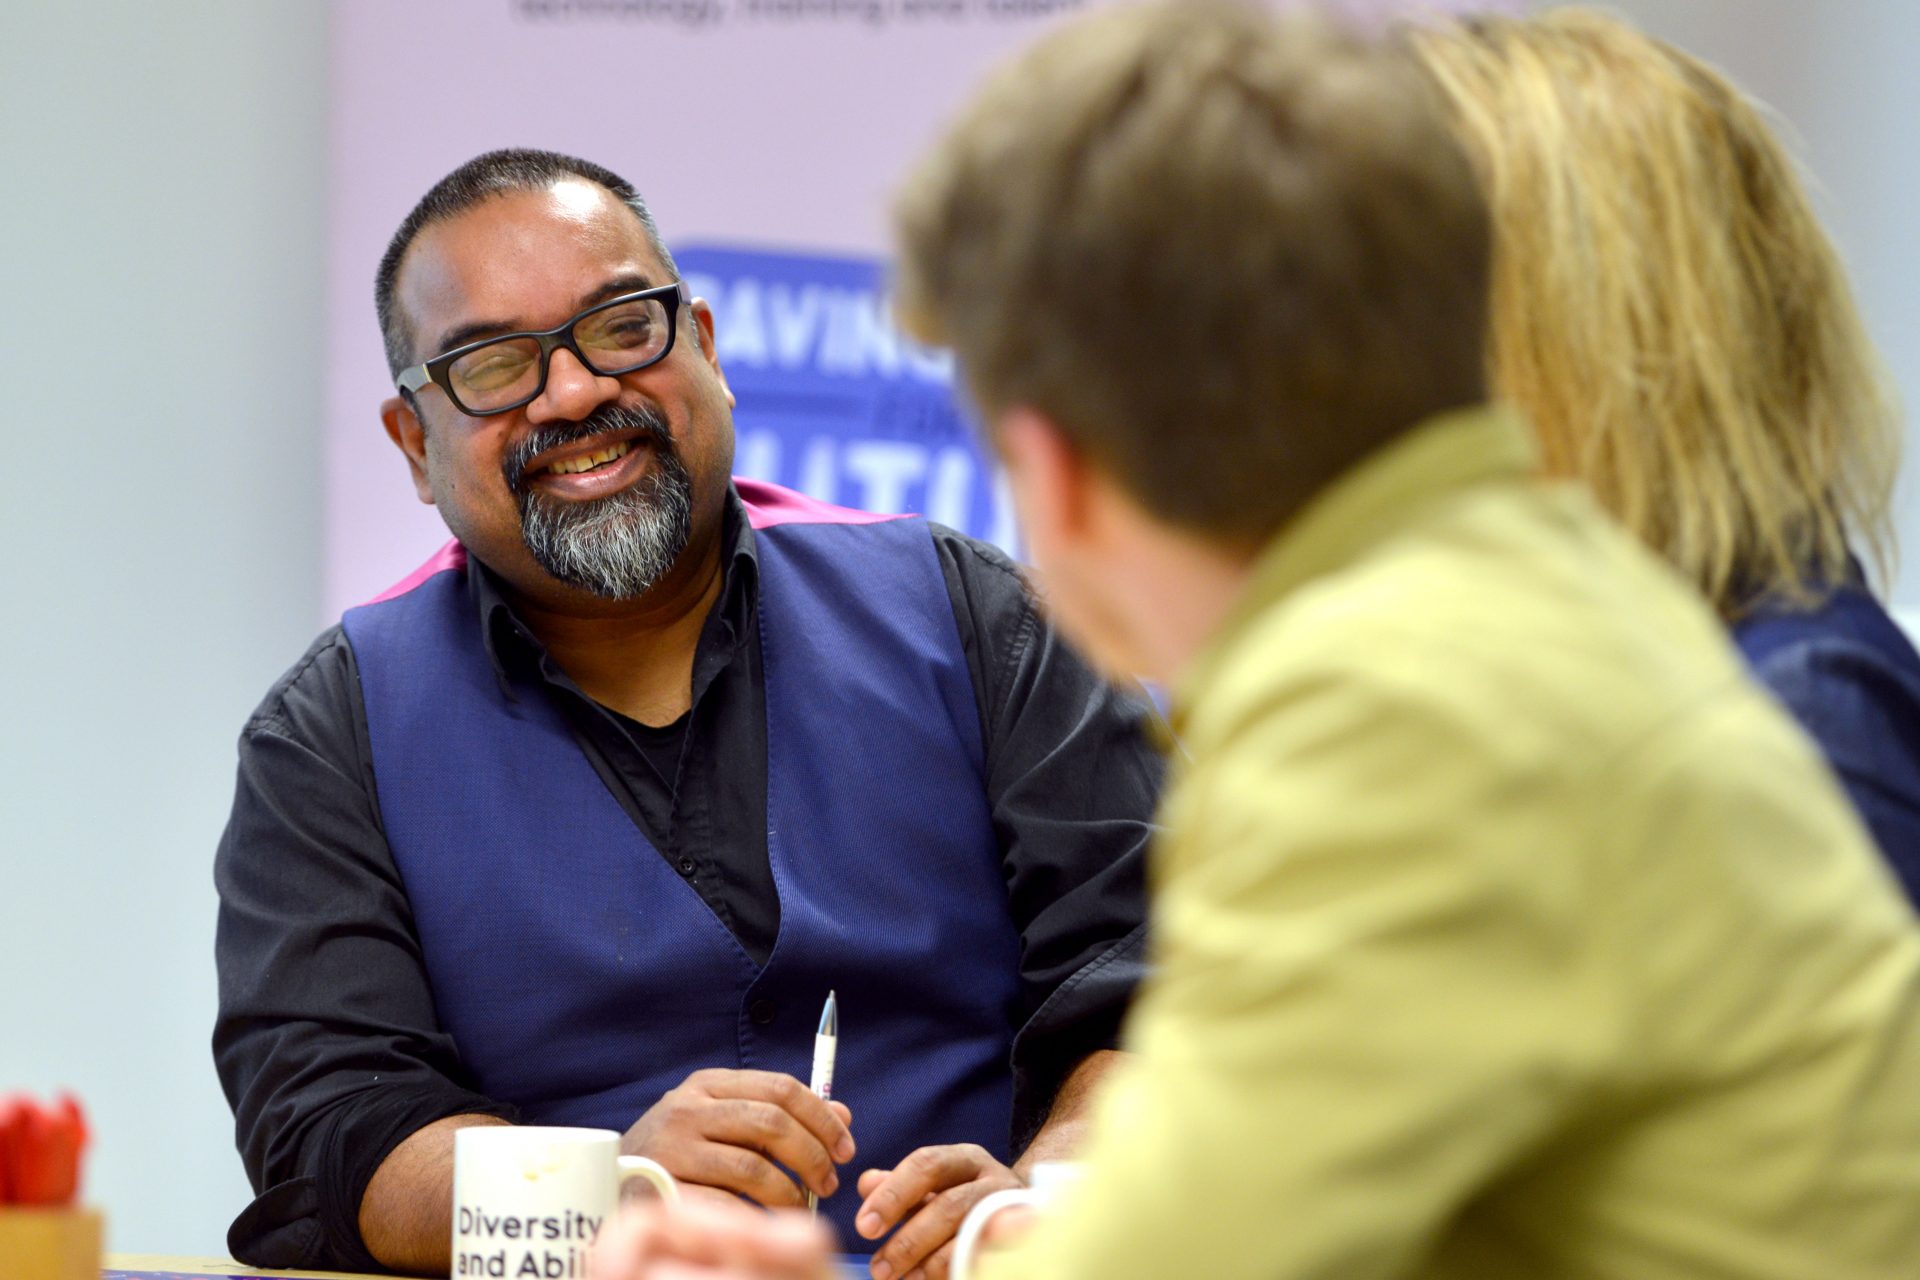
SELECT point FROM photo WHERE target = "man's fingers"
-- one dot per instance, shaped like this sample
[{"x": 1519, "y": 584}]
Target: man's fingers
[
  {"x": 731, "y": 1129},
  {"x": 926, "y": 1232},
  {"x": 924, "y": 1200},
  {"x": 926, "y": 1172},
  {"x": 764, "y": 1127},
  {"x": 938, "y": 1264},
  {"x": 741, "y": 1169},
  {"x": 817, "y": 1115}
]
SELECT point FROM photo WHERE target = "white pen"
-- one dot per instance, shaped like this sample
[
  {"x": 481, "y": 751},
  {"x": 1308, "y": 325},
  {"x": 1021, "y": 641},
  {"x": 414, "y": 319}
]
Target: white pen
[{"x": 825, "y": 1042}]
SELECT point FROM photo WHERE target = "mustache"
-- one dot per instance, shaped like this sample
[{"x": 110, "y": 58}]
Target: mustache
[{"x": 647, "y": 422}]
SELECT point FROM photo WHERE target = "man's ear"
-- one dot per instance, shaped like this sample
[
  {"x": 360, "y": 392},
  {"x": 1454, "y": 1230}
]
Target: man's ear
[
  {"x": 404, "y": 429},
  {"x": 1050, "y": 477},
  {"x": 702, "y": 335}
]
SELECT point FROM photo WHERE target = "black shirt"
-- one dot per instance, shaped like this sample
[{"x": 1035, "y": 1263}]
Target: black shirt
[{"x": 327, "y": 1043}]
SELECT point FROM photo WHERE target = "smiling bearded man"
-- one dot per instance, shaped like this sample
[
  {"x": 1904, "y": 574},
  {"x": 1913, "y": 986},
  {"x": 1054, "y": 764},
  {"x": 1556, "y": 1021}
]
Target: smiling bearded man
[{"x": 515, "y": 841}]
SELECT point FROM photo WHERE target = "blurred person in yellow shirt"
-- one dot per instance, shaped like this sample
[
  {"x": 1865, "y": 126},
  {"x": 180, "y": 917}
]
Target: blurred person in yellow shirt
[{"x": 1503, "y": 927}]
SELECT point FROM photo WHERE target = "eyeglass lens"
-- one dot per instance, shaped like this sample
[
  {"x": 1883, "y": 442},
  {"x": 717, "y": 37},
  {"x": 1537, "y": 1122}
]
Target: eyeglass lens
[{"x": 614, "y": 340}]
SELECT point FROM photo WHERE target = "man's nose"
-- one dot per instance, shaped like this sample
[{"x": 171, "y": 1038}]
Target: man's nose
[{"x": 572, "y": 392}]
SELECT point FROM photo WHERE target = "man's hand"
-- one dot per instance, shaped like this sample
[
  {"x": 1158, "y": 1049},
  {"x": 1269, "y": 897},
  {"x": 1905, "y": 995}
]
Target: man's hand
[
  {"x": 711, "y": 1241},
  {"x": 932, "y": 1191},
  {"x": 926, "y": 1197},
  {"x": 726, "y": 1129}
]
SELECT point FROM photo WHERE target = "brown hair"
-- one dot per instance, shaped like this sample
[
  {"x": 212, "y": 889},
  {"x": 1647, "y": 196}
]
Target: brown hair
[
  {"x": 1228, "y": 255},
  {"x": 1666, "y": 307}
]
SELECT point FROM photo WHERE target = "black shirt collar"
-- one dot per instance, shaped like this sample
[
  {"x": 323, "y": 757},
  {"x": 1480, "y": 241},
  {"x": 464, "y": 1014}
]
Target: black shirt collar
[{"x": 515, "y": 651}]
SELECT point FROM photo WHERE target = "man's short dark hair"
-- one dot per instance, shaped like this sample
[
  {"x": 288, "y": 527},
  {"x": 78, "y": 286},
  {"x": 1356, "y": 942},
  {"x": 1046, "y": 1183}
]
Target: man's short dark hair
[{"x": 478, "y": 180}]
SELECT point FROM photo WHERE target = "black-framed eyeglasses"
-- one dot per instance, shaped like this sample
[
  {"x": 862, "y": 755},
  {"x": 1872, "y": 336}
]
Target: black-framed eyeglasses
[{"x": 617, "y": 336}]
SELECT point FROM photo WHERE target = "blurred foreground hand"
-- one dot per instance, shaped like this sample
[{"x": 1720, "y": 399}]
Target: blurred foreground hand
[{"x": 703, "y": 1240}]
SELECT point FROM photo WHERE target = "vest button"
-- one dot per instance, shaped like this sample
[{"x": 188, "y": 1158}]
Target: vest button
[
  {"x": 686, "y": 866},
  {"x": 762, "y": 1012}
]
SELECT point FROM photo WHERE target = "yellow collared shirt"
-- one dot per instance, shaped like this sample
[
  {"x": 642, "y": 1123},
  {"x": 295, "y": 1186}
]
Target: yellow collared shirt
[{"x": 1502, "y": 927}]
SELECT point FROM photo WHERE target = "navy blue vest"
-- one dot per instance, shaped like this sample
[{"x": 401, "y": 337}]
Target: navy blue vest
[{"x": 581, "y": 977}]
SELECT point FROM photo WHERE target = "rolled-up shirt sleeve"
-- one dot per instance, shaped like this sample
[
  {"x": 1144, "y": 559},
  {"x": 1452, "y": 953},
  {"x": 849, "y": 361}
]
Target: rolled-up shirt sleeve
[
  {"x": 1072, "y": 780},
  {"x": 326, "y": 1040}
]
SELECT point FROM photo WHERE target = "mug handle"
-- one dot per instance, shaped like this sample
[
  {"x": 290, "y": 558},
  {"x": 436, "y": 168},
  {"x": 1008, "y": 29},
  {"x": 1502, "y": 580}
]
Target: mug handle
[
  {"x": 967, "y": 1242},
  {"x": 653, "y": 1172}
]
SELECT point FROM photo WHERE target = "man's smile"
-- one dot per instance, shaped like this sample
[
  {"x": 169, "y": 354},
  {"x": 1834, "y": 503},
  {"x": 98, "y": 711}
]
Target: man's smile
[
  {"x": 587, "y": 462},
  {"x": 589, "y": 469}
]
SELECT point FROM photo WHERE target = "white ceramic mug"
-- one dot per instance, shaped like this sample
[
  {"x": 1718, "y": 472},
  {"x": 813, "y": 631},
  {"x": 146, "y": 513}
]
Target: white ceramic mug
[
  {"x": 1045, "y": 1181},
  {"x": 528, "y": 1201}
]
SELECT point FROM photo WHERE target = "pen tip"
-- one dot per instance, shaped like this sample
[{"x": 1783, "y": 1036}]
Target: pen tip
[{"x": 830, "y": 1016}]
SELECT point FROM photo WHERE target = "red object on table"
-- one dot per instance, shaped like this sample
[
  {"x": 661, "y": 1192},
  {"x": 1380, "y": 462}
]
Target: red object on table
[
  {"x": 9, "y": 1118},
  {"x": 40, "y": 1149}
]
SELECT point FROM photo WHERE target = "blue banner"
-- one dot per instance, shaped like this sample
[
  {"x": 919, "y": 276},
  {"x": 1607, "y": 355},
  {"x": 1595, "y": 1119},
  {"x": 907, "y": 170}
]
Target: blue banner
[{"x": 834, "y": 400}]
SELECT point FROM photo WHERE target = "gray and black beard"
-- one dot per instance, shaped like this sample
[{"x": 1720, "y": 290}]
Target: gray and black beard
[{"x": 619, "y": 546}]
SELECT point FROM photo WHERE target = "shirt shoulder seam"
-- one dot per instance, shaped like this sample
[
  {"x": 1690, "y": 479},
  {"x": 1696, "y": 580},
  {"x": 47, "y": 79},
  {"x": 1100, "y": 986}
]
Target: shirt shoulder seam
[
  {"x": 271, "y": 716},
  {"x": 998, "y": 675}
]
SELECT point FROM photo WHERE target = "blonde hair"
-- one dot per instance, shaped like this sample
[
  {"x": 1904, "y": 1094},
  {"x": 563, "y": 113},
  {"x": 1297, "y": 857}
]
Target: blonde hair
[
  {"x": 1666, "y": 306},
  {"x": 1227, "y": 254}
]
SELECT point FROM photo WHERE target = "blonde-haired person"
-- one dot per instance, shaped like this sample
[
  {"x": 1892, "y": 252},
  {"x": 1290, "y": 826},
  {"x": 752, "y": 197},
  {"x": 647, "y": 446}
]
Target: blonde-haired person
[
  {"x": 1502, "y": 929},
  {"x": 1673, "y": 320}
]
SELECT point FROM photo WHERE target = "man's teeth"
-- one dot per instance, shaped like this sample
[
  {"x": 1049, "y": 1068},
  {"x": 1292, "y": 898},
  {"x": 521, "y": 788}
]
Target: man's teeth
[{"x": 573, "y": 466}]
